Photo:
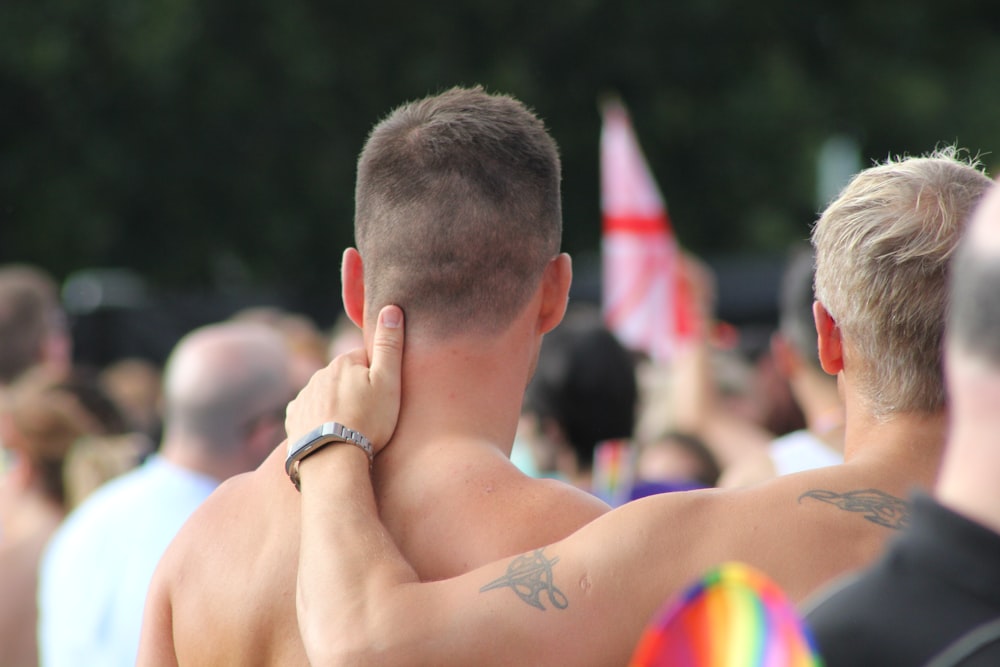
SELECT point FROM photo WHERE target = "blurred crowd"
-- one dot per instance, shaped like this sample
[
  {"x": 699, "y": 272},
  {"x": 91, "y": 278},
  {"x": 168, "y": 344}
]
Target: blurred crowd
[{"x": 67, "y": 430}]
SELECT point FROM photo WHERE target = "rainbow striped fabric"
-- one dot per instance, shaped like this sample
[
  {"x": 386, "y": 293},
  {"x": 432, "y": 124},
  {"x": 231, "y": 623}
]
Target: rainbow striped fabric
[
  {"x": 611, "y": 478},
  {"x": 734, "y": 617}
]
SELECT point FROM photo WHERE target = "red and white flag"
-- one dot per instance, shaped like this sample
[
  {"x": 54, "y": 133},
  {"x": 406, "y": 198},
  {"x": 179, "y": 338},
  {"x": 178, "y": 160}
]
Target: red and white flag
[{"x": 645, "y": 301}]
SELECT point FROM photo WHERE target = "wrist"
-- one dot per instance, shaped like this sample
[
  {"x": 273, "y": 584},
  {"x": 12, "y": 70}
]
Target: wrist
[
  {"x": 335, "y": 465},
  {"x": 319, "y": 438}
]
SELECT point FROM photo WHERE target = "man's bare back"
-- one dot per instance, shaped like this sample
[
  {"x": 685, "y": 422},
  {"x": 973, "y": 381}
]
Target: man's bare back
[{"x": 232, "y": 568}]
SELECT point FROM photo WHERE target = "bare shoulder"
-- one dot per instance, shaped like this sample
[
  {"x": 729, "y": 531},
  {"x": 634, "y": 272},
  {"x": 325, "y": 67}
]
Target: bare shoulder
[
  {"x": 802, "y": 529},
  {"x": 235, "y": 527},
  {"x": 807, "y": 528},
  {"x": 845, "y": 496},
  {"x": 545, "y": 510},
  {"x": 201, "y": 530},
  {"x": 239, "y": 549},
  {"x": 213, "y": 515},
  {"x": 578, "y": 504},
  {"x": 474, "y": 511}
]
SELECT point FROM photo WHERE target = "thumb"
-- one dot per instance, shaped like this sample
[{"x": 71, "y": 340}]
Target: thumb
[{"x": 387, "y": 350}]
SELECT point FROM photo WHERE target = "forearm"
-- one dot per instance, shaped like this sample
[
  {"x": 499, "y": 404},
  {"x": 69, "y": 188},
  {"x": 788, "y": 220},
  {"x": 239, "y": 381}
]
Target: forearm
[
  {"x": 348, "y": 563},
  {"x": 359, "y": 602}
]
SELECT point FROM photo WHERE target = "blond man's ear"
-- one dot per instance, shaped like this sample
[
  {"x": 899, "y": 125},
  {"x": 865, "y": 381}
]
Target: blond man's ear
[{"x": 830, "y": 345}]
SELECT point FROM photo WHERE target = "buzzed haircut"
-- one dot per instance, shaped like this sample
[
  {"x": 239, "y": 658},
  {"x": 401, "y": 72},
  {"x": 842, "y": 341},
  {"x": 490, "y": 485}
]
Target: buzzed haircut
[
  {"x": 974, "y": 320},
  {"x": 28, "y": 301},
  {"x": 458, "y": 210},
  {"x": 883, "y": 249}
]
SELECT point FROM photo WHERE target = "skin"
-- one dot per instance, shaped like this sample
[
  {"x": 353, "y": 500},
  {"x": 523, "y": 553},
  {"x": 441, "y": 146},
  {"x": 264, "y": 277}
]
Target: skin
[
  {"x": 584, "y": 600},
  {"x": 968, "y": 474},
  {"x": 450, "y": 496},
  {"x": 28, "y": 518}
]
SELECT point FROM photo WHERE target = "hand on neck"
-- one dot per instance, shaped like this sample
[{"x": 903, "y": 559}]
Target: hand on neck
[{"x": 463, "y": 388}]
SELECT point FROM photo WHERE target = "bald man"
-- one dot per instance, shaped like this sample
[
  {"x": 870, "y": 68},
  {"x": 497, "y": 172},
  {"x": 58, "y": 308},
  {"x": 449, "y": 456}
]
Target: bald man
[
  {"x": 934, "y": 597},
  {"x": 883, "y": 249},
  {"x": 226, "y": 387}
]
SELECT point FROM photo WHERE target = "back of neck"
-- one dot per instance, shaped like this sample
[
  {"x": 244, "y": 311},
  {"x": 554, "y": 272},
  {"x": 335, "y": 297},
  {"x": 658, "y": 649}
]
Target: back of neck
[
  {"x": 458, "y": 393},
  {"x": 908, "y": 443}
]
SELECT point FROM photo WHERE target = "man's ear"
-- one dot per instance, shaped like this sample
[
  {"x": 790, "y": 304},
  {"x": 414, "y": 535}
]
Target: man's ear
[
  {"x": 556, "y": 280},
  {"x": 830, "y": 346},
  {"x": 352, "y": 284}
]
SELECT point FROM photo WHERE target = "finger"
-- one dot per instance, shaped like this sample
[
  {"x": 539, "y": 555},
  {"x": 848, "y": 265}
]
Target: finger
[{"x": 387, "y": 350}]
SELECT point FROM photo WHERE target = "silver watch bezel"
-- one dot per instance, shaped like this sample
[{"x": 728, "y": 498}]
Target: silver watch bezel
[{"x": 319, "y": 437}]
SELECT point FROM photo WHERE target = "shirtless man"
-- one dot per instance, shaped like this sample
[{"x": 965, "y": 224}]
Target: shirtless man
[
  {"x": 882, "y": 256},
  {"x": 458, "y": 220}
]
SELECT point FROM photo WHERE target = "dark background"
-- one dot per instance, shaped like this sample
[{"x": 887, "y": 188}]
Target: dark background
[{"x": 204, "y": 150}]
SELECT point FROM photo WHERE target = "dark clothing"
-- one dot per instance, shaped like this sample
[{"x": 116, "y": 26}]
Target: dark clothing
[{"x": 938, "y": 581}]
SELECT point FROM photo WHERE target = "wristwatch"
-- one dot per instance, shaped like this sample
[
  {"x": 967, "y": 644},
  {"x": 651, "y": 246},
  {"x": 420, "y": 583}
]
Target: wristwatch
[{"x": 318, "y": 438}]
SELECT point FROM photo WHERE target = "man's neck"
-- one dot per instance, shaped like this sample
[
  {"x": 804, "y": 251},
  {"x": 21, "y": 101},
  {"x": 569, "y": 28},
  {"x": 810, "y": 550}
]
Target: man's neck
[
  {"x": 465, "y": 391},
  {"x": 903, "y": 440},
  {"x": 968, "y": 481}
]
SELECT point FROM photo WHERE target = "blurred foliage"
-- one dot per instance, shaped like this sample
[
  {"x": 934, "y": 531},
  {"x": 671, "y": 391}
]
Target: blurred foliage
[{"x": 212, "y": 143}]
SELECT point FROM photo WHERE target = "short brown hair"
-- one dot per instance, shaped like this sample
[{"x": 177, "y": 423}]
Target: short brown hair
[
  {"x": 29, "y": 300},
  {"x": 882, "y": 256},
  {"x": 458, "y": 210}
]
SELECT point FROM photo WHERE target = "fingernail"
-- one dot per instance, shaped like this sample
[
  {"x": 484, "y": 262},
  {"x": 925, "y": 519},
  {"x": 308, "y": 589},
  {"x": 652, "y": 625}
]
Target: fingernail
[{"x": 391, "y": 318}]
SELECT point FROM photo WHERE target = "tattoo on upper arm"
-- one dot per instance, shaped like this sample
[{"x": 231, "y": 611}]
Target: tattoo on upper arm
[
  {"x": 877, "y": 506},
  {"x": 530, "y": 575}
]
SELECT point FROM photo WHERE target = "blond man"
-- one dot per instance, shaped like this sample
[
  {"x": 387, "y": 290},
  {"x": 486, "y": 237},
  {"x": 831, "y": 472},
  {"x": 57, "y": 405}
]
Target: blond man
[
  {"x": 883, "y": 249},
  {"x": 934, "y": 597}
]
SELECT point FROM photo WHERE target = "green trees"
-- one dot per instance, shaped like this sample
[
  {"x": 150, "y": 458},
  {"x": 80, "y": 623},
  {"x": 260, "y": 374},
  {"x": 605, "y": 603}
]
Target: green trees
[{"x": 212, "y": 142}]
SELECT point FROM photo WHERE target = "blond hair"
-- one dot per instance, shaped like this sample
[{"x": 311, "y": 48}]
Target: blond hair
[{"x": 882, "y": 257}]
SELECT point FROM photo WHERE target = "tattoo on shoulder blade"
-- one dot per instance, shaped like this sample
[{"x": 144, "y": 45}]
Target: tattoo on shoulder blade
[
  {"x": 877, "y": 506},
  {"x": 530, "y": 575}
]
